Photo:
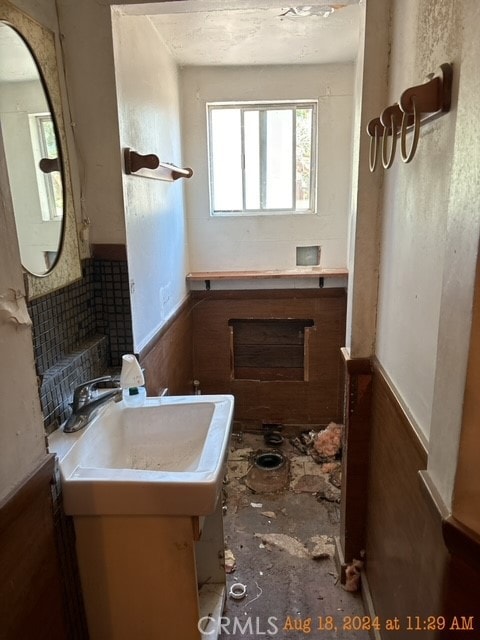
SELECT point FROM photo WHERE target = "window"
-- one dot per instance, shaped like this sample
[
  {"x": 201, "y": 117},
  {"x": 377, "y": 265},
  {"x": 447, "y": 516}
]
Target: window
[
  {"x": 44, "y": 145},
  {"x": 262, "y": 157}
]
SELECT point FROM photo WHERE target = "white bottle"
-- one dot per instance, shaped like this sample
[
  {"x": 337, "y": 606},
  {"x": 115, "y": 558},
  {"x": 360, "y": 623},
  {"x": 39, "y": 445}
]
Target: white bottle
[{"x": 132, "y": 382}]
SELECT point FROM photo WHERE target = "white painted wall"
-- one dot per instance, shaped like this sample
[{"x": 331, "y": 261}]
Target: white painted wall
[
  {"x": 462, "y": 243},
  {"x": 431, "y": 230},
  {"x": 149, "y": 120},
  {"x": 415, "y": 211},
  {"x": 269, "y": 242}
]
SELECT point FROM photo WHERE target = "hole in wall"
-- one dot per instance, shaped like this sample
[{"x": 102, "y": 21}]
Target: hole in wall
[
  {"x": 269, "y": 350},
  {"x": 308, "y": 256}
]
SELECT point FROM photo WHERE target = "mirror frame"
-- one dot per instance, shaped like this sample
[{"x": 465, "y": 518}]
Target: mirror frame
[{"x": 41, "y": 43}]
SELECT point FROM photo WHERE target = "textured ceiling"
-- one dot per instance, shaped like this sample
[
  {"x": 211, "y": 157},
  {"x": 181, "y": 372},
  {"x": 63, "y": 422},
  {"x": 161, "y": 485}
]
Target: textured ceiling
[{"x": 259, "y": 36}]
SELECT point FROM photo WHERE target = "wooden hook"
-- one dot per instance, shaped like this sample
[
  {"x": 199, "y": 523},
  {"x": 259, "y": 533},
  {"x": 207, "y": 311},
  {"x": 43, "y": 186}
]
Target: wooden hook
[
  {"x": 432, "y": 96},
  {"x": 48, "y": 165},
  {"x": 135, "y": 161}
]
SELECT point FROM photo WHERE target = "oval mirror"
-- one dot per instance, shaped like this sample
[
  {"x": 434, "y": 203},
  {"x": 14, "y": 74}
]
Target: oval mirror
[{"x": 32, "y": 152}]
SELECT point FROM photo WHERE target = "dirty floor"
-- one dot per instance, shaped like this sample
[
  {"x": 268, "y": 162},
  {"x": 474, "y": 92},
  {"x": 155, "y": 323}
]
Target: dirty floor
[{"x": 281, "y": 546}]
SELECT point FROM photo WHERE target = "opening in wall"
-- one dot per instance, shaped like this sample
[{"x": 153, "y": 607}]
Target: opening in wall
[{"x": 269, "y": 350}]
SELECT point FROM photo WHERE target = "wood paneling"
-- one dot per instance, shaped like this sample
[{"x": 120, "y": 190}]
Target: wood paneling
[
  {"x": 406, "y": 557},
  {"x": 420, "y": 562},
  {"x": 114, "y": 252},
  {"x": 31, "y": 598},
  {"x": 315, "y": 400},
  {"x": 168, "y": 359}
]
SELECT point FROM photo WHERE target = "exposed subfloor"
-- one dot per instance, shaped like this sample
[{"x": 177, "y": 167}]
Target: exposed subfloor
[{"x": 289, "y": 593}]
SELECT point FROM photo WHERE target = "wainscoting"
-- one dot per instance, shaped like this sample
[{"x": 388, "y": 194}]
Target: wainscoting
[
  {"x": 419, "y": 561},
  {"x": 314, "y": 395},
  {"x": 168, "y": 359},
  {"x": 31, "y": 588}
]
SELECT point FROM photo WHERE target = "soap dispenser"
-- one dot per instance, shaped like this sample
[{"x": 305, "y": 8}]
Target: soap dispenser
[{"x": 132, "y": 382}]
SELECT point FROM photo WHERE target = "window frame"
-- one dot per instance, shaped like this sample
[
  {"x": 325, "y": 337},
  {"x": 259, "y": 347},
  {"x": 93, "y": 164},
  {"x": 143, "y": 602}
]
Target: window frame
[
  {"x": 46, "y": 188},
  {"x": 263, "y": 106}
]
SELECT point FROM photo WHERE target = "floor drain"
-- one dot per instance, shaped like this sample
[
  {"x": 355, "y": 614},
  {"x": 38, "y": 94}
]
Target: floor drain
[{"x": 269, "y": 460}]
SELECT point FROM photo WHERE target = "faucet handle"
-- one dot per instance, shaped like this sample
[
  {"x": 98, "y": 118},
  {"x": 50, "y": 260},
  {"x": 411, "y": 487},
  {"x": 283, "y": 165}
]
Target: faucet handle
[{"x": 83, "y": 391}]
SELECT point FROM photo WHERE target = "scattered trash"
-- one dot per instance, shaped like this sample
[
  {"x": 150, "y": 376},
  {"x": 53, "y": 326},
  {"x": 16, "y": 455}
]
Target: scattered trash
[
  {"x": 329, "y": 492},
  {"x": 352, "y": 576},
  {"x": 328, "y": 443},
  {"x": 238, "y": 591},
  {"x": 323, "y": 548},
  {"x": 285, "y": 543},
  {"x": 295, "y": 442},
  {"x": 229, "y": 561},
  {"x": 256, "y": 505},
  {"x": 260, "y": 591},
  {"x": 269, "y": 514}
]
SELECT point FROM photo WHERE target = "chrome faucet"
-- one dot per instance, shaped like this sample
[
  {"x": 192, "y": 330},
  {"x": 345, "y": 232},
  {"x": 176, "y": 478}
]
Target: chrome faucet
[{"x": 84, "y": 404}]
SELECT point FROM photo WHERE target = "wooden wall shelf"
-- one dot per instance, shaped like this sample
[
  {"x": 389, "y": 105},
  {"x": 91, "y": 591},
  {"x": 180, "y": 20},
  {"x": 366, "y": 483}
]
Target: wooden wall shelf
[
  {"x": 269, "y": 274},
  {"x": 299, "y": 272}
]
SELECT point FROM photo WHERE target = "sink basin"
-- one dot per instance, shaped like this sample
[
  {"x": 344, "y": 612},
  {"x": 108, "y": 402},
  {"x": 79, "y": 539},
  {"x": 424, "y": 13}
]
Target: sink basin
[{"x": 166, "y": 457}]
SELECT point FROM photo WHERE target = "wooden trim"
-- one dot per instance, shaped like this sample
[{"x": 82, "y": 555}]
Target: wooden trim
[
  {"x": 432, "y": 497},
  {"x": 357, "y": 420},
  {"x": 299, "y": 272},
  {"x": 156, "y": 337},
  {"x": 271, "y": 294},
  {"x": 462, "y": 542},
  {"x": 356, "y": 366},
  {"x": 113, "y": 252}
]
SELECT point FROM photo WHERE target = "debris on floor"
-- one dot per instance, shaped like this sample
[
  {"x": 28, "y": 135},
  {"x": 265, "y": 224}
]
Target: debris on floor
[
  {"x": 229, "y": 561},
  {"x": 284, "y": 542},
  {"x": 322, "y": 545},
  {"x": 309, "y": 477},
  {"x": 288, "y": 561},
  {"x": 352, "y": 576},
  {"x": 323, "y": 548},
  {"x": 328, "y": 443},
  {"x": 269, "y": 514}
]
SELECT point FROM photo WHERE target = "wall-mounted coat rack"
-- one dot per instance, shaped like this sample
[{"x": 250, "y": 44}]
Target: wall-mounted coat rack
[
  {"x": 417, "y": 106},
  {"x": 150, "y": 166}
]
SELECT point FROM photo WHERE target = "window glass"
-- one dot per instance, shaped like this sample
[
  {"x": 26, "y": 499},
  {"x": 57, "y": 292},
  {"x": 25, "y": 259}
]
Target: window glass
[{"x": 262, "y": 157}]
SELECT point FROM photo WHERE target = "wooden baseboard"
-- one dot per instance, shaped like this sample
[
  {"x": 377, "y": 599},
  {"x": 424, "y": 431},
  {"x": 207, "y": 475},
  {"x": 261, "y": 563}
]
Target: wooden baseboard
[{"x": 375, "y": 634}]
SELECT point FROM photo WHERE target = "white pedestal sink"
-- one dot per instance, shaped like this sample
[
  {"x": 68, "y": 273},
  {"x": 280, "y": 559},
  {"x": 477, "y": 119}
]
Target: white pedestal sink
[
  {"x": 164, "y": 458},
  {"x": 143, "y": 485}
]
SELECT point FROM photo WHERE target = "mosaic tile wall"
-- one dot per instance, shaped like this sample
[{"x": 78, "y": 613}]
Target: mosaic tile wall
[{"x": 79, "y": 333}]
